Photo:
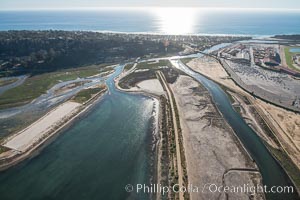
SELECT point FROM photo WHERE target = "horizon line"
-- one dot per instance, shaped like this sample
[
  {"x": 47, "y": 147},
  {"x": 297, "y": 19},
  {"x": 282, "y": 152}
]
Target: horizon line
[{"x": 148, "y": 7}]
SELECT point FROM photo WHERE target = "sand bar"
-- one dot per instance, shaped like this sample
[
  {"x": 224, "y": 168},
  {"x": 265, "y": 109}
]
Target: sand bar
[
  {"x": 23, "y": 140},
  {"x": 151, "y": 85}
]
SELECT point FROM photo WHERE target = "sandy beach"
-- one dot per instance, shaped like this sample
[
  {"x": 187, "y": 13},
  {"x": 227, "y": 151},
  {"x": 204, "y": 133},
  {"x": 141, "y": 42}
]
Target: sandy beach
[
  {"x": 152, "y": 86},
  {"x": 23, "y": 140}
]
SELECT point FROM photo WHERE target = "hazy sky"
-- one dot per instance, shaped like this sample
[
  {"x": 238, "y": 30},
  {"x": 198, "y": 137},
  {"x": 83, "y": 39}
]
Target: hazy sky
[{"x": 28, "y": 4}]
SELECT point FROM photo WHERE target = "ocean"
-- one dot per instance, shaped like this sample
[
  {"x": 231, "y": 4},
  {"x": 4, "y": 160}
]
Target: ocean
[{"x": 162, "y": 21}]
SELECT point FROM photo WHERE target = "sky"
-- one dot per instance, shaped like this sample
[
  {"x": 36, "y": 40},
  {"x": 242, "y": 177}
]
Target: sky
[{"x": 52, "y": 4}]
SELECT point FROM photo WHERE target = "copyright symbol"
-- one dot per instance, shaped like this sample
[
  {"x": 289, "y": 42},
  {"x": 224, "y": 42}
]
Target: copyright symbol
[{"x": 129, "y": 188}]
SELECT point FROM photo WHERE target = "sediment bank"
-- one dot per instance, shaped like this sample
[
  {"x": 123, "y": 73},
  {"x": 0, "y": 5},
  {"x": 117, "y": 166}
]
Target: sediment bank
[
  {"x": 20, "y": 147},
  {"x": 211, "y": 147}
]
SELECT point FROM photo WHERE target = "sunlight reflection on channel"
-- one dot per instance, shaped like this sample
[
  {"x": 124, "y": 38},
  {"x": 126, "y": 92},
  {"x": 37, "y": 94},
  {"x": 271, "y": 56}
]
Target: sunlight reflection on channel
[{"x": 176, "y": 20}]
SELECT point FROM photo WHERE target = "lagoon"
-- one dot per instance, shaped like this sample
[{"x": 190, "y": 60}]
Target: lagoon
[{"x": 95, "y": 158}]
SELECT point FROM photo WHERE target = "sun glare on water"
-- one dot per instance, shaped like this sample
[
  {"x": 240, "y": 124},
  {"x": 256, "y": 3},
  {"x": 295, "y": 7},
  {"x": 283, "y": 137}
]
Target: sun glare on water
[{"x": 175, "y": 20}]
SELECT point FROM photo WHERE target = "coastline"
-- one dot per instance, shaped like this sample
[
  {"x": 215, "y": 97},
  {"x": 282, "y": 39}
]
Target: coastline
[
  {"x": 156, "y": 134},
  {"x": 262, "y": 37},
  {"x": 12, "y": 158}
]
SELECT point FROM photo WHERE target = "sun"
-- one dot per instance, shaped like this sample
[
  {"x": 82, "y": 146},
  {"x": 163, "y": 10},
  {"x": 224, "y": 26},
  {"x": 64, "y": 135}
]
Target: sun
[{"x": 175, "y": 21}]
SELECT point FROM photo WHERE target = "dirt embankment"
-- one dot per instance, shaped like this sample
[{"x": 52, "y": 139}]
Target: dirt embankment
[
  {"x": 178, "y": 153},
  {"x": 25, "y": 143}
]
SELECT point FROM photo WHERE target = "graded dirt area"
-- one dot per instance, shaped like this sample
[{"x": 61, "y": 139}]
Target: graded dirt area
[
  {"x": 211, "y": 148},
  {"x": 152, "y": 86},
  {"x": 211, "y": 68},
  {"x": 287, "y": 125},
  {"x": 23, "y": 140}
]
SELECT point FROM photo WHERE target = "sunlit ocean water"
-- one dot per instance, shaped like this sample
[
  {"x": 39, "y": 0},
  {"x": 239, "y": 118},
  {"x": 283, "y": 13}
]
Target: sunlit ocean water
[{"x": 164, "y": 21}]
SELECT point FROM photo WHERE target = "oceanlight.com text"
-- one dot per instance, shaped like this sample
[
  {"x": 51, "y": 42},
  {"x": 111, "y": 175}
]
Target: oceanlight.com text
[{"x": 207, "y": 188}]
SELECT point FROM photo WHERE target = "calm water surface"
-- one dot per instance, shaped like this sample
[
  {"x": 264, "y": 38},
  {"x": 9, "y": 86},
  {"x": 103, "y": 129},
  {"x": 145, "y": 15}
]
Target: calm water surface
[
  {"x": 166, "y": 21},
  {"x": 295, "y": 50},
  {"x": 94, "y": 159}
]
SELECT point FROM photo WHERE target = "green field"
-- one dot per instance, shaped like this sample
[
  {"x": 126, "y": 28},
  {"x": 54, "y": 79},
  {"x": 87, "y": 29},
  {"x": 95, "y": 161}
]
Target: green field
[
  {"x": 37, "y": 85},
  {"x": 153, "y": 65},
  {"x": 289, "y": 58},
  {"x": 128, "y": 66},
  {"x": 3, "y": 149},
  {"x": 86, "y": 94}
]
